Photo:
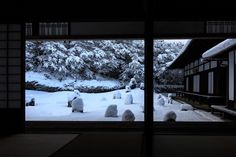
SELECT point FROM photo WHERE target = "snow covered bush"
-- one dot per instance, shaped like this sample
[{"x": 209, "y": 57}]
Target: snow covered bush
[
  {"x": 186, "y": 107},
  {"x": 141, "y": 86},
  {"x": 161, "y": 102},
  {"x": 129, "y": 99},
  {"x": 170, "y": 100},
  {"x": 111, "y": 111},
  {"x": 117, "y": 59},
  {"x": 164, "y": 54},
  {"x": 78, "y": 105},
  {"x": 127, "y": 89},
  {"x": 117, "y": 95},
  {"x": 128, "y": 116},
  {"x": 72, "y": 97},
  {"x": 132, "y": 83},
  {"x": 170, "y": 116}
]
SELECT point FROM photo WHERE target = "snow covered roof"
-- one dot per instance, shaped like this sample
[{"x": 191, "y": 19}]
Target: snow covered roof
[
  {"x": 219, "y": 48},
  {"x": 181, "y": 52}
]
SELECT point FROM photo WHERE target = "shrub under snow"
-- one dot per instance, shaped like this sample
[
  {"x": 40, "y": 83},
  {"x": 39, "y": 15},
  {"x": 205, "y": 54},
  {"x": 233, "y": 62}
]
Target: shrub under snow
[
  {"x": 161, "y": 102},
  {"x": 117, "y": 95},
  {"x": 186, "y": 107},
  {"x": 170, "y": 116},
  {"x": 129, "y": 99},
  {"x": 111, "y": 111},
  {"x": 128, "y": 116},
  {"x": 77, "y": 105}
]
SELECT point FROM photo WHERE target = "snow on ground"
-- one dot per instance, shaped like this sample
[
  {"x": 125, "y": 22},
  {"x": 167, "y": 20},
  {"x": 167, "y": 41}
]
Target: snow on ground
[
  {"x": 194, "y": 115},
  {"x": 41, "y": 79},
  {"x": 53, "y": 107}
]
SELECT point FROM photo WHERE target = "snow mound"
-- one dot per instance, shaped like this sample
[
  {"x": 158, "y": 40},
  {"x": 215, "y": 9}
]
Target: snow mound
[
  {"x": 129, "y": 99},
  {"x": 186, "y": 107},
  {"x": 161, "y": 102},
  {"x": 117, "y": 95},
  {"x": 77, "y": 105},
  {"x": 170, "y": 116},
  {"x": 111, "y": 111},
  {"x": 128, "y": 116}
]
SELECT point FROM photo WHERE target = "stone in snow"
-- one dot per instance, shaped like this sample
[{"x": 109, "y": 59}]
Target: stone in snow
[
  {"x": 161, "y": 102},
  {"x": 170, "y": 100},
  {"x": 132, "y": 83},
  {"x": 141, "y": 86},
  {"x": 129, "y": 99},
  {"x": 78, "y": 105},
  {"x": 127, "y": 89},
  {"x": 117, "y": 95},
  {"x": 158, "y": 96},
  {"x": 186, "y": 107},
  {"x": 31, "y": 102},
  {"x": 170, "y": 116},
  {"x": 111, "y": 111},
  {"x": 72, "y": 97},
  {"x": 128, "y": 116}
]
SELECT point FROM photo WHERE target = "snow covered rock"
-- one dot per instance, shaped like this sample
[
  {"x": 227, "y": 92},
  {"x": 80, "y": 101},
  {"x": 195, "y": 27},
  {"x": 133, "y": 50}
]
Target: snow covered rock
[
  {"x": 117, "y": 95},
  {"x": 170, "y": 116},
  {"x": 31, "y": 102},
  {"x": 161, "y": 102},
  {"x": 129, "y": 99},
  {"x": 128, "y": 116},
  {"x": 186, "y": 107},
  {"x": 132, "y": 83},
  {"x": 72, "y": 97},
  {"x": 127, "y": 89},
  {"x": 77, "y": 105},
  {"x": 158, "y": 96},
  {"x": 170, "y": 100},
  {"x": 77, "y": 92},
  {"x": 111, "y": 111},
  {"x": 141, "y": 86}
]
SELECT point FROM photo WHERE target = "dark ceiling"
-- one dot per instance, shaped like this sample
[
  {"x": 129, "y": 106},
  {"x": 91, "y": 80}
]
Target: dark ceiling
[{"x": 118, "y": 9}]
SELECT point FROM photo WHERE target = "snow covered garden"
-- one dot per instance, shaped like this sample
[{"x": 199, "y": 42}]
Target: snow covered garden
[{"x": 101, "y": 80}]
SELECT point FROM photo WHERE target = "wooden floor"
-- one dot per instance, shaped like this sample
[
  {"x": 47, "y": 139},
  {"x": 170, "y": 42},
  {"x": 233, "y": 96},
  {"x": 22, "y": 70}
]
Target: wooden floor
[{"x": 116, "y": 144}]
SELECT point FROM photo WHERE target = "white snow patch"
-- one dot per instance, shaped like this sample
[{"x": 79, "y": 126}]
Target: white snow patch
[
  {"x": 53, "y": 106},
  {"x": 41, "y": 79}
]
